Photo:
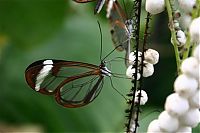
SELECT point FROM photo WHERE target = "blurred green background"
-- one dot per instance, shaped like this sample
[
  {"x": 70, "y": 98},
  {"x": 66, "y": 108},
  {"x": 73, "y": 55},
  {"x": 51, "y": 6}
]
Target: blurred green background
[{"x": 31, "y": 30}]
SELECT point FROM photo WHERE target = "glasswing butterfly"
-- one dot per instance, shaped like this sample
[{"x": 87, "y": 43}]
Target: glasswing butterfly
[
  {"x": 73, "y": 84},
  {"x": 98, "y": 6},
  {"x": 121, "y": 29}
]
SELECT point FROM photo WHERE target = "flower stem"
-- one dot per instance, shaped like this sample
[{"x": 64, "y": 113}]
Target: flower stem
[
  {"x": 173, "y": 34},
  {"x": 187, "y": 47}
]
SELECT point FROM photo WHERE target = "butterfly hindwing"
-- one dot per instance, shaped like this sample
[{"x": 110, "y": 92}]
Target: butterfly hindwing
[{"x": 80, "y": 92}]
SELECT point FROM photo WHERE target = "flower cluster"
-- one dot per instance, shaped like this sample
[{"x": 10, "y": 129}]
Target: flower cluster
[
  {"x": 182, "y": 107},
  {"x": 181, "y": 112},
  {"x": 151, "y": 58}
]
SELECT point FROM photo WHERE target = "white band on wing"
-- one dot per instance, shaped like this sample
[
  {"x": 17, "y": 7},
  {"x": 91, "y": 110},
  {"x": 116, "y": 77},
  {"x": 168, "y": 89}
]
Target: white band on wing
[{"x": 48, "y": 64}]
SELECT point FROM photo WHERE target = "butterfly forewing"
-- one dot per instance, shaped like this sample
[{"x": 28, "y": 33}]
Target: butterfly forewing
[
  {"x": 48, "y": 76},
  {"x": 99, "y": 6},
  {"x": 119, "y": 30}
]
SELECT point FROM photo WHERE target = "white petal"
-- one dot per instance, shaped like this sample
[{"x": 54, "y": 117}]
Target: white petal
[
  {"x": 151, "y": 56},
  {"x": 181, "y": 37},
  {"x": 187, "y": 5},
  {"x": 176, "y": 24},
  {"x": 155, "y": 6},
  {"x": 132, "y": 57},
  {"x": 185, "y": 85},
  {"x": 195, "y": 100},
  {"x": 176, "y": 105},
  {"x": 154, "y": 127},
  {"x": 143, "y": 99},
  {"x": 185, "y": 21},
  {"x": 167, "y": 122},
  {"x": 196, "y": 52},
  {"x": 195, "y": 30},
  {"x": 132, "y": 127},
  {"x": 130, "y": 72},
  {"x": 191, "y": 118},
  {"x": 184, "y": 129},
  {"x": 190, "y": 66},
  {"x": 148, "y": 69}
]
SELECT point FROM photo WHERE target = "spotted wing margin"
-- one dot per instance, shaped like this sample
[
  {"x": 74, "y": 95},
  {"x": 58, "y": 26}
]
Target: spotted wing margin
[
  {"x": 83, "y": 1},
  {"x": 48, "y": 76},
  {"x": 119, "y": 30}
]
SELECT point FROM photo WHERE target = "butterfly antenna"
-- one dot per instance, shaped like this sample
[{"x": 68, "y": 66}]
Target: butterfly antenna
[
  {"x": 111, "y": 52},
  {"x": 101, "y": 41},
  {"x": 117, "y": 90}
]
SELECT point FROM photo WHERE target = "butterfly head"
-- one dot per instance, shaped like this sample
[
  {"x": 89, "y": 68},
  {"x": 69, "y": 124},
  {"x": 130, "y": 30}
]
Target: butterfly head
[{"x": 104, "y": 70}]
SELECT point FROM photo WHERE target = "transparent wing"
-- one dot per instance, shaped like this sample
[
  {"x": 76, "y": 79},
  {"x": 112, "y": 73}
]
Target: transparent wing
[
  {"x": 119, "y": 35},
  {"x": 119, "y": 30},
  {"x": 48, "y": 76},
  {"x": 79, "y": 92},
  {"x": 74, "y": 84}
]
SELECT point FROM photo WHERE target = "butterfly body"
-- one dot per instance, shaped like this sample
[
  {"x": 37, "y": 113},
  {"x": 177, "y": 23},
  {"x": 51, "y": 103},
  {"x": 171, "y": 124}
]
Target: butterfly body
[{"x": 73, "y": 84}]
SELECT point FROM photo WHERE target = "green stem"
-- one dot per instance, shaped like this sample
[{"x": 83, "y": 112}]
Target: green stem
[
  {"x": 187, "y": 47},
  {"x": 173, "y": 35},
  {"x": 195, "y": 14},
  {"x": 196, "y": 11}
]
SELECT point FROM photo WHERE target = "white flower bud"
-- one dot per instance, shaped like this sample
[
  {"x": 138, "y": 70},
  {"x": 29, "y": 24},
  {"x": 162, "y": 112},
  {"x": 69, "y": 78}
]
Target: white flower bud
[
  {"x": 185, "y": 21},
  {"x": 155, "y": 6},
  {"x": 176, "y": 24},
  {"x": 185, "y": 85},
  {"x": 194, "y": 100},
  {"x": 187, "y": 5},
  {"x": 130, "y": 72},
  {"x": 176, "y": 105},
  {"x": 132, "y": 57},
  {"x": 196, "y": 52},
  {"x": 154, "y": 127},
  {"x": 151, "y": 56},
  {"x": 180, "y": 35},
  {"x": 148, "y": 69},
  {"x": 190, "y": 118},
  {"x": 167, "y": 122},
  {"x": 132, "y": 127},
  {"x": 195, "y": 30},
  {"x": 143, "y": 98},
  {"x": 183, "y": 129},
  {"x": 190, "y": 67}
]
